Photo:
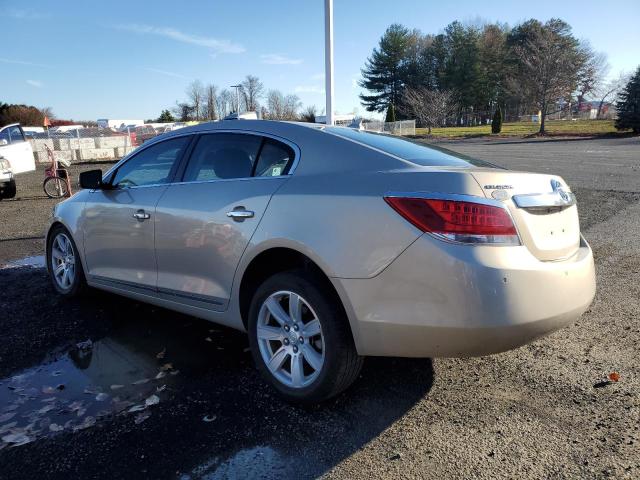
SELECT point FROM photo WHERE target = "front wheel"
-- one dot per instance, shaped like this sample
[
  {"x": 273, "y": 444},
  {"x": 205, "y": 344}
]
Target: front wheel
[
  {"x": 55, "y": 187},
  {"x": 63, "y": 263},
  {"x": 8, "y": 190},
  {"x": 300, "y": 338}
]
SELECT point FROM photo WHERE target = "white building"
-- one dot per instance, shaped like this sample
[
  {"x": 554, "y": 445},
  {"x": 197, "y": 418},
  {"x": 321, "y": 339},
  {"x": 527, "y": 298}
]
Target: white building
[
  {"x": 343, "y": 120},
  {"x": 107, "y": 123}
]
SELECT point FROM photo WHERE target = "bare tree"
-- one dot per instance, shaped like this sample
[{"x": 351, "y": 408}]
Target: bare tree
[
  {"x": 430, "y": 107},
  {"x": 183, "y": 111},
  {"x": 223, "y": 103},
  {"x": 309, "y": 114},
  {"x": 251, "y": 90},
  {"x": 195, "y": 94},
  {"x": 551, "y": 62},
  {"x": 210, "y": 106},
  {"x": 47, "y": 112},
  {"x": 593, "y": 72},
  {"x": 611, "y": 89},
  {"x": 281, "y": 107}
]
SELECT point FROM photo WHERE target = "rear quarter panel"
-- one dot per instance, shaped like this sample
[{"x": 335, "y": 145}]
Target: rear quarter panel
[{"x": 342, "y": 222}]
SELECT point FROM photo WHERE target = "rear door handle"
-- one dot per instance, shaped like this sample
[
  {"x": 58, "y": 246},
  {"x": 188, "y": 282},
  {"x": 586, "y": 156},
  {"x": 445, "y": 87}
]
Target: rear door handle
[
  {"x": 141, "y": 215},
  {"x": 239, "y": 214}
]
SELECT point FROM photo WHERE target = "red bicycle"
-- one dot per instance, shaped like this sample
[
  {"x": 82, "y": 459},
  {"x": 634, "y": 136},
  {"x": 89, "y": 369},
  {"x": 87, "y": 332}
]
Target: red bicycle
[{"x": 56, "y": 183}]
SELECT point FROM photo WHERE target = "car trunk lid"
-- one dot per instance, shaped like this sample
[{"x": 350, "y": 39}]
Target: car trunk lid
[{"x": 543, "y": 208}]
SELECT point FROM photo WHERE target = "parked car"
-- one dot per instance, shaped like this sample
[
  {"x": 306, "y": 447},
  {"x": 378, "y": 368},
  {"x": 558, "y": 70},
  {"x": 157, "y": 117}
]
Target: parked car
[
  {"x": 16, "y": 157},
  {"x": 144, "y": 133},
  {"x": 328, "y": 244}
]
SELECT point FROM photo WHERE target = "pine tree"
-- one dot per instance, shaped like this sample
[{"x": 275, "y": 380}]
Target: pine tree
[
  {"x": 383, "y": 74},
  {"x": 166, "y": 117},
  {"x": 496, "y": 124},
  {"x": 628, "y": 105},
  {"x": 391, "y": 113}
]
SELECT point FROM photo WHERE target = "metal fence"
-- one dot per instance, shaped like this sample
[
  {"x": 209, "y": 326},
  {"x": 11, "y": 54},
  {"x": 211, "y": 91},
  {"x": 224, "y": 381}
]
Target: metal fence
[
  {"x": 403, "y": 127},
  {"x": 91, "y": 144}
]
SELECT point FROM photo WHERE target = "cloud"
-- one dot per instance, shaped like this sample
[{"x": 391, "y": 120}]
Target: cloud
[
  {"x": 277, "y": 59},
  {"x": 23, "y": 14},
  {"x": 35, "y": 83},
  {"x": 219, "y": 46},
  {"x": 166, "y": 73},
  {"x": 309, "y": 89},
  {"x": 22, "y": 62}
]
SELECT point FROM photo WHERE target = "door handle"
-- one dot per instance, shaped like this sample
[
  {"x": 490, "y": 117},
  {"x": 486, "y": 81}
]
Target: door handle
[
  {"x": 239, "y": 214},
  {"x": 141, "y": 215}
]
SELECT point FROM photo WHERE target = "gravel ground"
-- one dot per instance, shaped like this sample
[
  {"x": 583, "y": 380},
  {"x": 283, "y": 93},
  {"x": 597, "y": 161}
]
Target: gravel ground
[{"x": 540, "y": 411}]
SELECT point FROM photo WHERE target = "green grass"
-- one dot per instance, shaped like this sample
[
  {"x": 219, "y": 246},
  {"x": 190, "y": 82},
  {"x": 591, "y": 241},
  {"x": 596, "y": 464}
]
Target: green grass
[{"x": 520, "y": 129}]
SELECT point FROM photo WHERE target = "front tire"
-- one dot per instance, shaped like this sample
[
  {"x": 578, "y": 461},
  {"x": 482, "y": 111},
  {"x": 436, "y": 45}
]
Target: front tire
[
  {"x": 64, "y": 264},
  {"x": 9, "y": 190},
  {"x": 300, "y": 338}
]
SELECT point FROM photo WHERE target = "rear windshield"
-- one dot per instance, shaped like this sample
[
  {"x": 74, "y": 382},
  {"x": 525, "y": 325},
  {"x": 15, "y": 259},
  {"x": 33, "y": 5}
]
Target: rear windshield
[{"x": 410, "y": 150}]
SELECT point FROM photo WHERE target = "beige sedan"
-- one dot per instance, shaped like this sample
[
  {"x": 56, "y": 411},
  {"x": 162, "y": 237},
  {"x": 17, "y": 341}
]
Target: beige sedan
[{"x": 328, "y": 245}]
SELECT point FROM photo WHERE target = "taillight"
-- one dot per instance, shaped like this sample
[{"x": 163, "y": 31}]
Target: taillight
[{"x": 459, "y": 221}]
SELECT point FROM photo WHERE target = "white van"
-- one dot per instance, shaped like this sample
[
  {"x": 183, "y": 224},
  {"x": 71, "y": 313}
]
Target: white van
[{"x": 16, "y": 156}]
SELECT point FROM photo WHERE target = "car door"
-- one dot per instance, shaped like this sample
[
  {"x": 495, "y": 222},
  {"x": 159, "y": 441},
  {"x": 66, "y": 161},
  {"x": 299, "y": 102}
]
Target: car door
[
  {"x": 15, "y": 148},
  {"x": 119, "y": 222},
  {"x": 204, "y": 223}
]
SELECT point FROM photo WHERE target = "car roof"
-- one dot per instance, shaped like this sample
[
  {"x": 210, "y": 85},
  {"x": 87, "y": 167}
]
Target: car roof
[{"x": 10, "y": 125}]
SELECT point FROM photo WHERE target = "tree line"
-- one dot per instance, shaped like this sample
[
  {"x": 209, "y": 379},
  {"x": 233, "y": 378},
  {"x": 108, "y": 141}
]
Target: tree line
[
  {"x": 462, "y": 75},
  {"x": 208, "y": 102}
]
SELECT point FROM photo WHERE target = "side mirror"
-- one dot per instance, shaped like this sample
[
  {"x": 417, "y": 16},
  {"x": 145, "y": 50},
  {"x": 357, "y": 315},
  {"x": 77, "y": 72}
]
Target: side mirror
[
  {"x": 3, "y": 142},
  {"x": 91, "y": 179}
]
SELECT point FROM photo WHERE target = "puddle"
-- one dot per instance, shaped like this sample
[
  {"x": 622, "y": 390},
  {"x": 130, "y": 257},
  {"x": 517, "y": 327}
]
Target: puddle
[
  {"x": 36, "y": 261},
  {"x": 74, "y": 392},
  {"x": 126, "y": 373},
  {"x": 258, "y": 462}
]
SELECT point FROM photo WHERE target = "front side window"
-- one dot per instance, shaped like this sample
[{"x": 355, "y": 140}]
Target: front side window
[
  {"x": 16, "y": 134},
  {"x": 222, "y": 156},
  {"x": 152, "y": 165}
]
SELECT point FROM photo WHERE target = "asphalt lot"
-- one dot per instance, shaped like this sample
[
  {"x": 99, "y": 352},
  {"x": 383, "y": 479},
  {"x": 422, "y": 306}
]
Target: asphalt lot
[{"x": 540, "y": 411}]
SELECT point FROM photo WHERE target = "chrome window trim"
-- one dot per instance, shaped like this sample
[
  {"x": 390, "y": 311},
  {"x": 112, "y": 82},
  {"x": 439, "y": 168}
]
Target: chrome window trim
[
  {"x": 544, "y": 200},
  {"x": 216, "y": 180},
  {"x": 462, "y": 198},
  {"x": 293, "y": 146}
]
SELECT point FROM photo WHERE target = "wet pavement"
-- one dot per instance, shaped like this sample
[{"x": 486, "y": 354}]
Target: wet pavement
[
  {"x": 178, "y": 396},
  {"x": 32, "y": 261},
  {"x": 541, "y": 411}
]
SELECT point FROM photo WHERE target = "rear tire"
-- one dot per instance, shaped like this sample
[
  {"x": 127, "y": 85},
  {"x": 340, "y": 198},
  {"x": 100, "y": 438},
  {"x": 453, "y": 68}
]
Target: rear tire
[
  {"x": 308, "y": 355},
  {"x": 64, "y": 264}
]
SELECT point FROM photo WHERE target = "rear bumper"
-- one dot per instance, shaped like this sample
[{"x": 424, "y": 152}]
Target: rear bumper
[{"x": 447, "y": 300}]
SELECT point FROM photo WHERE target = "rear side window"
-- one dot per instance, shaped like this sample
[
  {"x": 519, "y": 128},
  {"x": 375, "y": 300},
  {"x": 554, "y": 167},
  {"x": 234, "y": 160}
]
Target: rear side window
[
  {"x": 152, "y": 165},
  {"x": 222, "y": 156},
  {"x": 412, "y": 151},
  {"x": 274, "y": 160}
]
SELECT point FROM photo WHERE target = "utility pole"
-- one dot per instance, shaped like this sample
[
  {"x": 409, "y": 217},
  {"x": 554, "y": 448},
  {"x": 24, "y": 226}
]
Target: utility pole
[
  {"x": 328, "y": 59},
  {"x": 237, "y": 87}
]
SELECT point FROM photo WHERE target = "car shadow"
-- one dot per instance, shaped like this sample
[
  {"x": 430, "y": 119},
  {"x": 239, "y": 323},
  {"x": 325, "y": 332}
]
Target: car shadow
[{"x": 215, "y": 416}]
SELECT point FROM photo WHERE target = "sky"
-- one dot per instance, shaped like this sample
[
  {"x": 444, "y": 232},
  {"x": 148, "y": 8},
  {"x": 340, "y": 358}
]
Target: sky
[{"x": 131, "y": 59}]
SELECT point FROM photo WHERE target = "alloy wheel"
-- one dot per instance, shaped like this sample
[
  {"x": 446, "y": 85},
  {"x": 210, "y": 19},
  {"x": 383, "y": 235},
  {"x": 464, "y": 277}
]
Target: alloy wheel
[
  {"x": 290, "y": 339},
  {"x": 63, "y": 261}
]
